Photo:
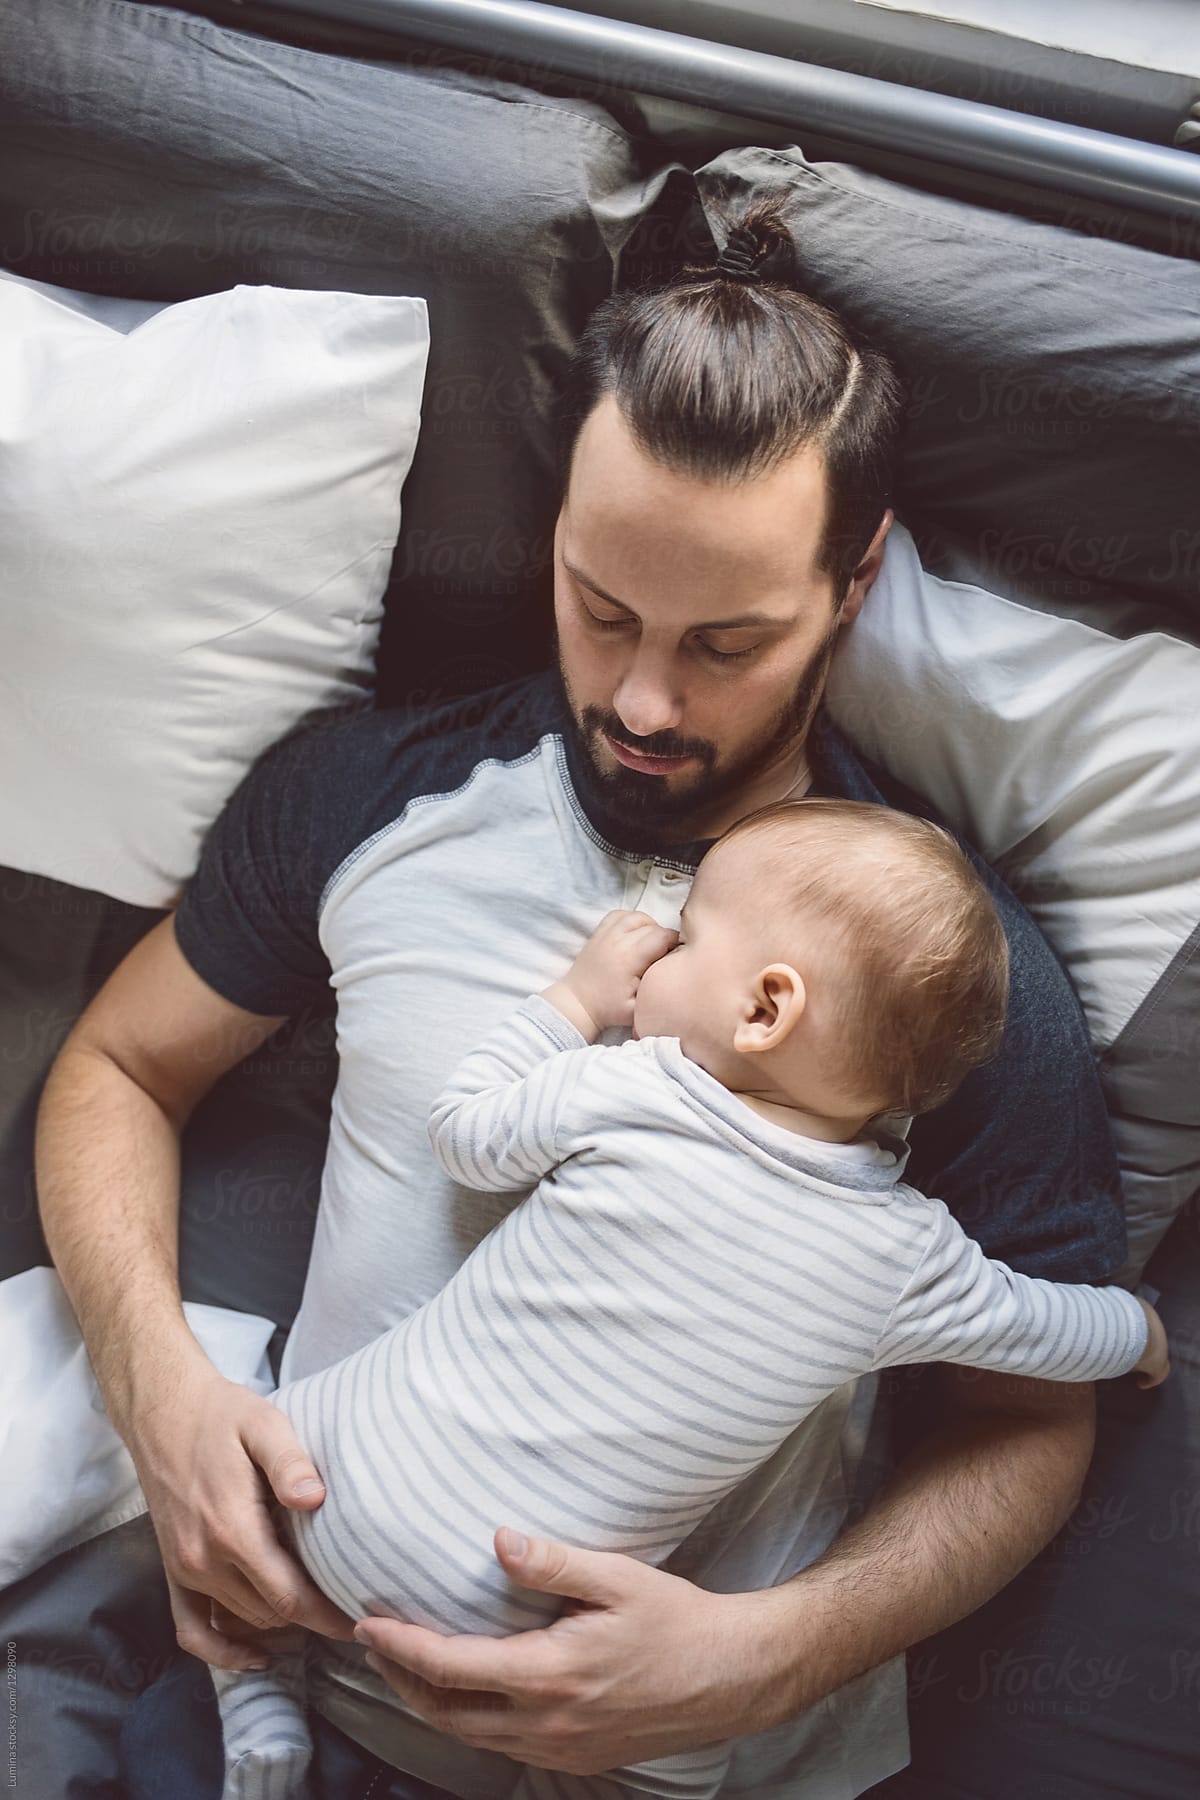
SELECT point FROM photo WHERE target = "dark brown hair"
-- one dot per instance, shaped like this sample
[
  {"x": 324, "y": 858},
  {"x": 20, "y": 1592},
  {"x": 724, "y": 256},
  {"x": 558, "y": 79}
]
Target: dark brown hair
[
  {"x": 920, "y": 959},
  {"x": 722, "y": 377}
]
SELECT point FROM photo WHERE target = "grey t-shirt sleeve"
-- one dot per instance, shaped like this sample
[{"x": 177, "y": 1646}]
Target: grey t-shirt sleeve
[{"x": 247, "y": 922}]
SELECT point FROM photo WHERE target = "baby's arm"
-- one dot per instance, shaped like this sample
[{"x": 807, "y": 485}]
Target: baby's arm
[
  {"x": 960, "y": 1307},
  {"x": 495, "y": 1125}
]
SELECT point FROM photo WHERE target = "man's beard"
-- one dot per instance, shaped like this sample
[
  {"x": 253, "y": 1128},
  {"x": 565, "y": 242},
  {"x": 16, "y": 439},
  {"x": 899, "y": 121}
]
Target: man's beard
[{"x": 644, "y": 802}]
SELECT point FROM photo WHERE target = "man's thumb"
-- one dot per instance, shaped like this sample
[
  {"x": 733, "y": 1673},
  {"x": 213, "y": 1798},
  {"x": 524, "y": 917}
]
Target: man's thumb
[
  {"x": 272, "y": 1444},
  {"x": 588, "y": 1575}
]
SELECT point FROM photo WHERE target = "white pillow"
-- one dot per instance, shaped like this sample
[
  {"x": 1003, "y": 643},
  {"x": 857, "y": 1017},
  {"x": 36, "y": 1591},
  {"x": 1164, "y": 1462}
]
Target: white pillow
[
  {"x": 198, "y": 508},
  {"x": 69, "y": 1476},
  {"x": 1072, "y": 761}
]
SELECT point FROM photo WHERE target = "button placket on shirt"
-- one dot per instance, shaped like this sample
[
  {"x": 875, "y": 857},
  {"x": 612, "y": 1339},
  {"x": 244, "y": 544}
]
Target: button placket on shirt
[{"x": 657, "y": 891}]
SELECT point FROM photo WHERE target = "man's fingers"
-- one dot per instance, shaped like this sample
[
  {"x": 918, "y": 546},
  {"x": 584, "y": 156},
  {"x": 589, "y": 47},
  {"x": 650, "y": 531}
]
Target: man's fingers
[
  {"x": 485, "y": 1721},
  {"x": 196, "y": 1633},
  {"x": 495, "y": 1665},
  {"x": 593, "y": 1576},
  {"x": 452, "y": 1708},
  {"x": 261, "y": 1583},
  {"x": 291, "y": 1597},
  {"x": 267, "y": 1591},
  {"x": 277, "y": 1591},
  {"x": 238, "y": 1599},
  {"x": 232, "y": 1625},
  {"x": 415, "y": 1693},
  {"x": 274, "y": 1446}
]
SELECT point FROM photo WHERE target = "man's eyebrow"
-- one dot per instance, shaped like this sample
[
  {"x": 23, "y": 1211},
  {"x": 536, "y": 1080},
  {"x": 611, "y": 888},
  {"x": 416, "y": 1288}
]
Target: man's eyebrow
[{"x": 741, "y": 623}]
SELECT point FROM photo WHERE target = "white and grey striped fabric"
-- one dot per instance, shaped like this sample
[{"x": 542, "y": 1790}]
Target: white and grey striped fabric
[{"x": 685, "y": 1284}]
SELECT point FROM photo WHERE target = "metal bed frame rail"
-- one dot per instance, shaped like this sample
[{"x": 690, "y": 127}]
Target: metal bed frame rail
[{"x": 857, "y": 109}]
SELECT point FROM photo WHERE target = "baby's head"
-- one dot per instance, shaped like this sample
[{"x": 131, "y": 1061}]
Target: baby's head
[{"x": 845, "y": 955}]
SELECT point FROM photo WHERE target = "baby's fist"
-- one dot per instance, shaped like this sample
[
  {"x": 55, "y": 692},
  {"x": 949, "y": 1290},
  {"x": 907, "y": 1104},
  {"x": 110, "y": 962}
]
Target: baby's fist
[
  {"x": 604, "y": 977},
  {"x": 1155, "y": 1363}
]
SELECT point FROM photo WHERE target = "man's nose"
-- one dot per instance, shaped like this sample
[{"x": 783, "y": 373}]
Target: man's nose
[{"x": 647, "y": 697}]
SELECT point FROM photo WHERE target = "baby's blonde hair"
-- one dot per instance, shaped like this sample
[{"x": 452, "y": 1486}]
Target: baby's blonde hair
[{"x": 922, "y": 979}]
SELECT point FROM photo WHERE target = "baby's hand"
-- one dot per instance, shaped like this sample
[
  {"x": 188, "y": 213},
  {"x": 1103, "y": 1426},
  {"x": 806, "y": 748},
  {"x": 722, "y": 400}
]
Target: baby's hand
[
  {"x": 1155, "y": 1363},
  {"x": 603, "y": 980}
]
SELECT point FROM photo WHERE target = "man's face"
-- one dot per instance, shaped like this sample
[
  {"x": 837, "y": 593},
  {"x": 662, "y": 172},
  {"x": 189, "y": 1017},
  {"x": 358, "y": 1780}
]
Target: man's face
[{"x": 694, "y": 629}]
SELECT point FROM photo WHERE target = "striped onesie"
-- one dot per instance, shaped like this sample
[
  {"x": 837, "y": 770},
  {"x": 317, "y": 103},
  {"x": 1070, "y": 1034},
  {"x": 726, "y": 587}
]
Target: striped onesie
[{"x": 685, "y": 1283}]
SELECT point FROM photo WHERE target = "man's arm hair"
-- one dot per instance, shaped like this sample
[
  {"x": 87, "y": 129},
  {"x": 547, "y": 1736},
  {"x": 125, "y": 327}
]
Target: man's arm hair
[
  {"x": 147, "y": 1049},
  {"x": 966, "y": 1509}
]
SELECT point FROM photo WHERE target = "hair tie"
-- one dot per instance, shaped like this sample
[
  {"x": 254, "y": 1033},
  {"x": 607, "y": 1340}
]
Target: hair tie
[{"x": 737, "y": 259}]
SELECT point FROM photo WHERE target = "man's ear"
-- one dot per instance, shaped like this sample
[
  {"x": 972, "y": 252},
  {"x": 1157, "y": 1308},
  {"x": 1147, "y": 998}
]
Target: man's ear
[
  {"x": 867, "y": 571},
  {"x": 772, "y": 1010}
]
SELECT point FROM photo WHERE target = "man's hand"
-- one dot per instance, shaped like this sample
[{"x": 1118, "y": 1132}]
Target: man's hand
[
  {"x": 210, "y": 1458},
  {"x": 599, "y": 989},
  {"x": 641, "y": 1664}
]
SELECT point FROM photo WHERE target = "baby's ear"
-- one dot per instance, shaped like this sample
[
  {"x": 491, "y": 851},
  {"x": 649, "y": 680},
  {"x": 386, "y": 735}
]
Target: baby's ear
[
  {"x": 751, "y": 1035},
  {"x": 772, "y": 1010}
]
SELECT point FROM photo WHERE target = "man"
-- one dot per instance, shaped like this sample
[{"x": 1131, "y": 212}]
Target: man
[{"x": 726, "y": 460}]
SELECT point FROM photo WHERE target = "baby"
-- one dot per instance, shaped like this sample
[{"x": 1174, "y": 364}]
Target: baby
[{"x": 718, "y": 1238}]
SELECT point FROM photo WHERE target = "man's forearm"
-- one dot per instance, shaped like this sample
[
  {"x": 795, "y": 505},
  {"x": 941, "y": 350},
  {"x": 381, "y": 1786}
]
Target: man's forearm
[
  {"x": 961, "y": 1516},
  {"x": 108, "y": 1191}
]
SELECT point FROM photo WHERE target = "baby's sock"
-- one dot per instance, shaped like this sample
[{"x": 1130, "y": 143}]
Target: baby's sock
[{"x": 268, "y": 1748}]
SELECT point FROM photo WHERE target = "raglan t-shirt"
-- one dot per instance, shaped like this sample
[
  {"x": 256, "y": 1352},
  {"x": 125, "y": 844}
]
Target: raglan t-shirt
[{"x": 434, "y": 870}]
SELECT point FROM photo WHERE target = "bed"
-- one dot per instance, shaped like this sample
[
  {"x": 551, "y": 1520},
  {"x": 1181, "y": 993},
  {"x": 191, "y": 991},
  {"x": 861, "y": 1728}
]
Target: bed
[{"x": 1036, "y": 280}]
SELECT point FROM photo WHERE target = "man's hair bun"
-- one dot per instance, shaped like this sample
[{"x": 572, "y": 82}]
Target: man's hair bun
[{"x": 758, "y": 248}]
